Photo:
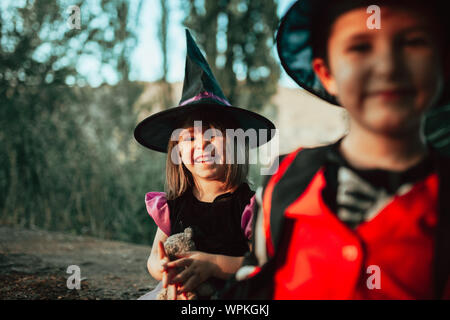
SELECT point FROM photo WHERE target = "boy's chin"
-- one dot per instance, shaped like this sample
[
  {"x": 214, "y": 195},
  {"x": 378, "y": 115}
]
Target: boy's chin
[
  {"x": 396, "y": 121},
  {"x": 393, "y": 127}
]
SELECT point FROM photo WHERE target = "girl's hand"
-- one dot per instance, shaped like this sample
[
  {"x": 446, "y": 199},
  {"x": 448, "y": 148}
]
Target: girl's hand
[
  {"x": 162, "y": 263},
  {"x": 199, "y": 266},
  {"x": 167, "y": 272}
]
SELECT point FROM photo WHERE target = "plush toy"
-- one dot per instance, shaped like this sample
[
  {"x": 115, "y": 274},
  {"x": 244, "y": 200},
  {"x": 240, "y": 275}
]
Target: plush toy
[{"x": 174, "y": 246}]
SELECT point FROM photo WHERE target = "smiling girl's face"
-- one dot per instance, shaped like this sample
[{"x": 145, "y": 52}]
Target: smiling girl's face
[
  {"x": 386, "y": 78},
  {"x": 202, "y": 152}
]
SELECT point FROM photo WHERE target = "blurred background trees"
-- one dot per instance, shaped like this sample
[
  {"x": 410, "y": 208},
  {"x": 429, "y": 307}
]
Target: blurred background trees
[
  {"x": 238, "y": 37},
  {"x": 68, "y": 159}
]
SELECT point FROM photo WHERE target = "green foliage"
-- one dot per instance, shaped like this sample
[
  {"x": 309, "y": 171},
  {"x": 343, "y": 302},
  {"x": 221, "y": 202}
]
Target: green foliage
[
  {"x": 238, "y": 37},
  {"x": 68, "y": 160}
]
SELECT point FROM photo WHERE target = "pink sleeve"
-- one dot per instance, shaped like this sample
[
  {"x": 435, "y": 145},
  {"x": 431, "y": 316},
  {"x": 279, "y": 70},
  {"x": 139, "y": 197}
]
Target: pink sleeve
[
  {"x": 247, "y": 217},
  {"x": 157, "y": 208}
]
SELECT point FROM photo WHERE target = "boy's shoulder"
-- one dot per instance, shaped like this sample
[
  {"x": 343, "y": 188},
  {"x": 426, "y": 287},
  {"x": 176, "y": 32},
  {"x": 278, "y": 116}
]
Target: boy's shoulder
[
  {"x": 296, "y": 169},
  {"x": 299, "y": 165},
  {"x": 295, "y": 172}
]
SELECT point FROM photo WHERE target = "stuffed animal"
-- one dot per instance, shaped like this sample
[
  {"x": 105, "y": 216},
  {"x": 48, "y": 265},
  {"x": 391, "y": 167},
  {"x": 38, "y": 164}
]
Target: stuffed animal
[{"x": 174, "y": 246}]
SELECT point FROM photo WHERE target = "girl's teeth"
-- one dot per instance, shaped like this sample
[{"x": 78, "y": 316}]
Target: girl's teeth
[{"x": 204, "y": 159}]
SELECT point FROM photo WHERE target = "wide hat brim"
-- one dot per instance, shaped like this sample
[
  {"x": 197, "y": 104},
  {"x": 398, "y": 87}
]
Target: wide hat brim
[
  {"x": 294, "y": 45},
  {"x": 155, "y": 131}
]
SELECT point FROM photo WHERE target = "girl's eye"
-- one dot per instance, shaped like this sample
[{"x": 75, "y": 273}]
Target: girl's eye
[{"x": 188, "y": 138}]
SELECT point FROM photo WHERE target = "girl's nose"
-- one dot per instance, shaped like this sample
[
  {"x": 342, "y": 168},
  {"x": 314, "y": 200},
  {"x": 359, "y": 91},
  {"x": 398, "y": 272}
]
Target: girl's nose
[{"x": 201, "y": 142}]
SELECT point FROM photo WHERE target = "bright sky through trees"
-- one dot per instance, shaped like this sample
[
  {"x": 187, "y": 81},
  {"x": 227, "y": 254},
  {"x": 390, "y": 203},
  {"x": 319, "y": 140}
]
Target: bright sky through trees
[{"x": 147, "y": 58}]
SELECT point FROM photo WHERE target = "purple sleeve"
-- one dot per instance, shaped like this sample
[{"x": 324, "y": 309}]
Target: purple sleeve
[
  {"x": 157, "y": 208},
  {"x": 247, "y": 218}
]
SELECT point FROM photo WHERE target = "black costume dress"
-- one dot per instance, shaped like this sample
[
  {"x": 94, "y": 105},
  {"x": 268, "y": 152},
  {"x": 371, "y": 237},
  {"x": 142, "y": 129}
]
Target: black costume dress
[
  {"x": 219, "y": 227},
  {"x": 216, "y": 225}
]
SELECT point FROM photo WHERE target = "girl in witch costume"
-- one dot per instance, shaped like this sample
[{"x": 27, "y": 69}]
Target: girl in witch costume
[
  {"x": 367, "y": 217},
  {"x": 204, "y": 191}
]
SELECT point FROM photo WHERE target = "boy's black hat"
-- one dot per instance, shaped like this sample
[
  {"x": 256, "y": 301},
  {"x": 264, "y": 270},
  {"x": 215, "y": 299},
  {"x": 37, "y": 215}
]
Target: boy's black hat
[
  {"x": 295, "y": 38},
  {"x": 201, "y": 94}
]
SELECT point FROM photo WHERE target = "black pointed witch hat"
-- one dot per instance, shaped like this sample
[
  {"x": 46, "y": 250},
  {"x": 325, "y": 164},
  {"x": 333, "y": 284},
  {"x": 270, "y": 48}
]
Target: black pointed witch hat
[{"x": 201, "y": 92}]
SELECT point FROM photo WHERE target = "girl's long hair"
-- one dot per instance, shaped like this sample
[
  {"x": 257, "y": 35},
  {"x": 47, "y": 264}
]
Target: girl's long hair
[{"x": 178, "y": 177}]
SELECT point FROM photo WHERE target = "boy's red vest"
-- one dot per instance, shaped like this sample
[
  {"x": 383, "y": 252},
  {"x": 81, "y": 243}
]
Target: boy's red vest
[{"x": 402, "y": 253}]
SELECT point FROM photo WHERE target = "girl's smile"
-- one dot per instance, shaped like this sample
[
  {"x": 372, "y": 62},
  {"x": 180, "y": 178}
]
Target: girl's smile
[
  {"x": 202, "y": 152},
  {"x": 208, "y": 159}
]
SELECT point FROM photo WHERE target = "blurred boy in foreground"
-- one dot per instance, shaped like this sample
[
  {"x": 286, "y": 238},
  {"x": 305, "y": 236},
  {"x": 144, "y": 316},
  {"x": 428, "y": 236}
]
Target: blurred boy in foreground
[{"x": 367, "y": 217}]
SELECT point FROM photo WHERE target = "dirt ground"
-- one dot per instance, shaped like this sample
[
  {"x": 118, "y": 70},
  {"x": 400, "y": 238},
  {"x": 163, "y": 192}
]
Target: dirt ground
[{"x": 33, "y": 266}]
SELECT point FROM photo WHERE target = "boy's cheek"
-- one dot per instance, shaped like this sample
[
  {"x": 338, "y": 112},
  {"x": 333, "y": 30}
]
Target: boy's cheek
[
  {"x": 348, "y": 87},
  {"x": 447, "y": 65},
  {"x": 348, "y": 76},
  {"x": 431, "y": 84}
]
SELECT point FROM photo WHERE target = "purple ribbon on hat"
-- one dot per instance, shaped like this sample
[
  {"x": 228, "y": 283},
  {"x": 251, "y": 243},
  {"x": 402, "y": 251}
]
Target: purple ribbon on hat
[{"x": 203, "y": 95}]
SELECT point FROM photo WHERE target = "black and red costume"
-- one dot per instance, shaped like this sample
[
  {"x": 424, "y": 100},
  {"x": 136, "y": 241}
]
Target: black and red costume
[{"x": 310, "y": 253}]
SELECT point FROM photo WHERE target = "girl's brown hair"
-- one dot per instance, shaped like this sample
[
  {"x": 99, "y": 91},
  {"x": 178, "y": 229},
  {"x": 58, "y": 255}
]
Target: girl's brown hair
[{"x": 178, "y": 177}]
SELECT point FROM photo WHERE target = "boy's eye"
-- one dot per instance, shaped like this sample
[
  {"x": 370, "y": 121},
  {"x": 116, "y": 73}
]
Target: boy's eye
[
  {"x": 416, "y": 41},
  {"x": 361, "y": 47}
]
